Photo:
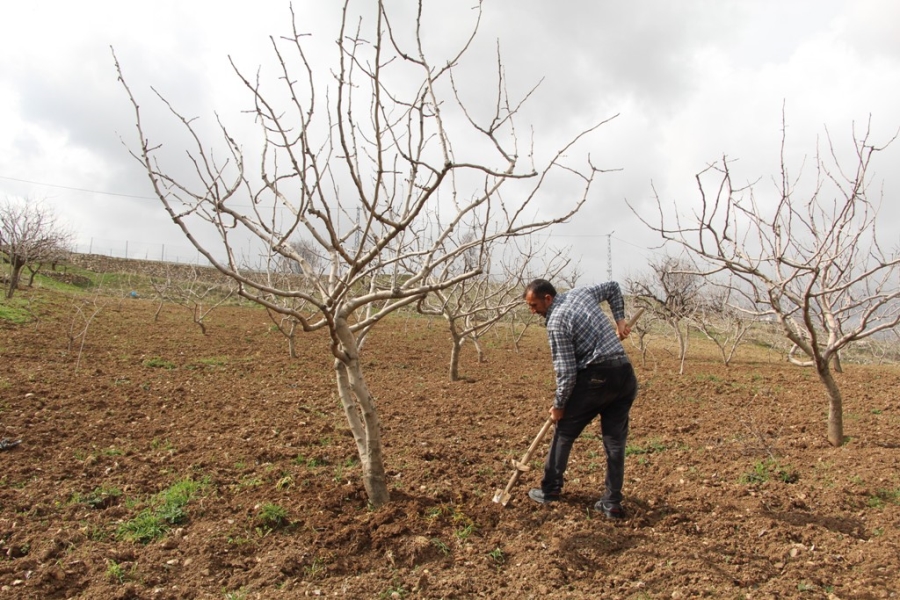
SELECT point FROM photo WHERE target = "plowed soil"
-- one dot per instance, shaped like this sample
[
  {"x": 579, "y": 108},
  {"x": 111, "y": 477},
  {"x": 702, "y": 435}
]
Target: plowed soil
[{"x": 732, "y": 490}]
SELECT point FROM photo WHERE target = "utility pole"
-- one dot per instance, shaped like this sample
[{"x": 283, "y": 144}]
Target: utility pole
[{"x": 609, "y": 255}]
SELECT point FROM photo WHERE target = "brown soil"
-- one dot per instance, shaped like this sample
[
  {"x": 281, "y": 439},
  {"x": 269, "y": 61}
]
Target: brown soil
[{"x": 731, "y": 488}]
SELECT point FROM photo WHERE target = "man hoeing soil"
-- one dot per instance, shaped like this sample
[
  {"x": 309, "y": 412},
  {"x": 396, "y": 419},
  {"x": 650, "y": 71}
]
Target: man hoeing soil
[{"x": 593, "y": 377}]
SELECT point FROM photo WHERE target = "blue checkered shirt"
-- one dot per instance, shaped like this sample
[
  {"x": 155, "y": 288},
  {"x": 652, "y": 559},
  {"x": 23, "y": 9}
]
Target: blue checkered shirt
[{"x": 580, "y": 333}]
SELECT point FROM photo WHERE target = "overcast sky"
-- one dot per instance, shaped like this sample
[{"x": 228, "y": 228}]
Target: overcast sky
[{"x": 690, "y": 80}]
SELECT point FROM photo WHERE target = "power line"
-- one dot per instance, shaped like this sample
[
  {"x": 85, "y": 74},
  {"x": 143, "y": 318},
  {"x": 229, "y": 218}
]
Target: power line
[{"x": 66, "y": 187}]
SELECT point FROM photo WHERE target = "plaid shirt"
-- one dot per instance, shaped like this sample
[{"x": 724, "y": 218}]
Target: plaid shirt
[{"x": 581, "y": 334}]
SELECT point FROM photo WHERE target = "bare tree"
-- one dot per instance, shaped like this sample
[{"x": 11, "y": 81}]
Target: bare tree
[
  {"x": 812, "y": 261},
  {"x": 374, "y": 178},
  {"x": 30, "y": 235},
  {"x": 472, "y": 307},
  {"x": 671, "y": 292},
  {"x": 199, "y": 297},
  {"x": 723, "y": 323}
]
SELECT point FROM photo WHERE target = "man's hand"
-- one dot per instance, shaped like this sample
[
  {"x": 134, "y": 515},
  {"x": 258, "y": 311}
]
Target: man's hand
[
  {"x": 622, "y": 329},
  {"x": 556, "y": 413}
]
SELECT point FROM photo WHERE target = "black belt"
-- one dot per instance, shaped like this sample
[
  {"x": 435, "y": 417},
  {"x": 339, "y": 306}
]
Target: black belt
[{"x": 618, "y": 361}]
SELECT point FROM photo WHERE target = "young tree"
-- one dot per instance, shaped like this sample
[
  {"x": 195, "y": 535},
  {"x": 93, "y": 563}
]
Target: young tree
[
  {"x": 30, "y": 235},
  {"x": 671, "y": 293},
  {"x": 721, "y": 321},
  {"x": 383, "y": 178},
  {"x": 811, "y": 260},
  {"x": 472, "y": 307},
  {"x": 199, "y": 297}
]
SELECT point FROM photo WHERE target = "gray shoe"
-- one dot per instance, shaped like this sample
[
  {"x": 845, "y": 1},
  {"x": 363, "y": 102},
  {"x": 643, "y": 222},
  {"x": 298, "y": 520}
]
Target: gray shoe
[
  {"x": 612, "y": 511},
  {"x": 538, "y": 495}
]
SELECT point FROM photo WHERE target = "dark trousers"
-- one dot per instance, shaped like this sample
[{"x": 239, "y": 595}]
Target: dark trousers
[{"x": 605, "y": 391}]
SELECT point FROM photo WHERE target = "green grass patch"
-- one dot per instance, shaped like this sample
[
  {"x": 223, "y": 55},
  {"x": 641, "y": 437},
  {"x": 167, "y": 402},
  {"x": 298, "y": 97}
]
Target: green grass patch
[
  {"x": 214, "y": 361},
  {"x": 158, "y": 363},
  {"x": 99, "y": 497},
  {"x": 650, "y": 447},
  {"x": 769, "y": 469},
  {"x": 165, "y": 510},
  {"x": 272, "y": 516},
  {"x": 16, "y": 310},
  {"x": 882, "y": 497}
]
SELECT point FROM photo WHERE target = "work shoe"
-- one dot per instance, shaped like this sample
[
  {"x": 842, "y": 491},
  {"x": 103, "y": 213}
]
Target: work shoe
[
  {"x": 538, "y": 495},
  {"x": 612, "y": 511}
]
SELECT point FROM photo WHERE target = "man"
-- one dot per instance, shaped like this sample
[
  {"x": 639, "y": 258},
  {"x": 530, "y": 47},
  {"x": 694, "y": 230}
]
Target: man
[{"x": 593, "y": 377}]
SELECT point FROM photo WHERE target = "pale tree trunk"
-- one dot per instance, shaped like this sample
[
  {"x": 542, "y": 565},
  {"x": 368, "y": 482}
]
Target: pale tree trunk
[
  {"x": 682, "y": 338},
  {"x": 835, "y": 405},
  {"x": 478, "y": 348},
  {"x": 455, "y": 351},
  {"x": 361, "y": 415}
]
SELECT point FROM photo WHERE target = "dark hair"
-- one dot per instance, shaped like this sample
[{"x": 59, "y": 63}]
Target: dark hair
[{"x": 540, "y": 287}]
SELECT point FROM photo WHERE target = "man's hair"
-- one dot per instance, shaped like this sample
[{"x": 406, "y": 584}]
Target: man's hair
[{"x": 540, "y": 287}]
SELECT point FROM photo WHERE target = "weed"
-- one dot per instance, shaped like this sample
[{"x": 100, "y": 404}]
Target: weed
[
  {"x": 310, "y": 462},
  {"x": 497, "y": 556},
  {"x": 272, "y": 516},
  {"x": 158, "y": 444},
  {"x": 315, "y": 568},
  {"x": 237, "y": 595},
  {"x": 651, "y": 447},
  {"x": 285, "y": 482},
  {"x": 434, "y": 512},
  {"x": 100, "y": 497},
  {"x": 249, "y": 482},
  {"x": 882, "y": 497},
  {"x": 440, "y": 545},
  {"x": 764, "y": 470},
  {"x": 216, "y": 361},
  {"x": 463, "y": 533},
  {"x": 115, "y": 571},
  {"x": 395, "y": 591}
]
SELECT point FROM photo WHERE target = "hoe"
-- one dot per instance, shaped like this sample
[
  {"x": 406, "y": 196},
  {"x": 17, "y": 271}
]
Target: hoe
[{"x": 520, "y": 466}]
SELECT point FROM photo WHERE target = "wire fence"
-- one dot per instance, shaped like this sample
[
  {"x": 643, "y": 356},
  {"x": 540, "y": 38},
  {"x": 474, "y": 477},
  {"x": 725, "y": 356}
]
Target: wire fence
[{"x": 172, "y": 253}]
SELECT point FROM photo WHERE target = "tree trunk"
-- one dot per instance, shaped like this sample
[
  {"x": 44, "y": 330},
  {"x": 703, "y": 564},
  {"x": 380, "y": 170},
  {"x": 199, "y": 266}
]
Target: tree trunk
[
  {"x": 15, "y": 272},
  {"x": 362, "y": 417},
  {"x": 682, "y": 345},
  {"x": 455, "y": 351},
  {"x": 478, "y": 348},
  {"x": 835, "y": 407}
]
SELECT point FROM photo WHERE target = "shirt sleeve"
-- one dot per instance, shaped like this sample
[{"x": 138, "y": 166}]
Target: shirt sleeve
[
  {"x": 612, "y": 293},
  {"x": 563, "y": 352}
]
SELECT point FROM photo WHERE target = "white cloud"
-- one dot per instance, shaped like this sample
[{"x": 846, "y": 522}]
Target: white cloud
[{"x": 691, "y": 80}]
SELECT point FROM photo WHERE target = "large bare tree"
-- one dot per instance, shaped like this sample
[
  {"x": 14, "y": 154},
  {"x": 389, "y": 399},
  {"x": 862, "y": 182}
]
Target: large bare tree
[
  {"x": 383, "y": 166},
  {"x": 806, "y": 257},
  {"x": 30, "y": 235}
]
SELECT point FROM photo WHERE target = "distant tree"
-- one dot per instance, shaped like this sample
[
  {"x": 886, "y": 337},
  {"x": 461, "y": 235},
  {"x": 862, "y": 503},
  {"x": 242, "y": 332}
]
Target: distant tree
[
  {"x": 671, "y": 293},
  {"x": 189, "y": 291},
  {"x": 721, "y": 321},
  {"x": 811, "y": 261},
  {"x": 30, "y": 236},
  {"x": 374, "y": 178},
  {"x": 473, "y": 307}
]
